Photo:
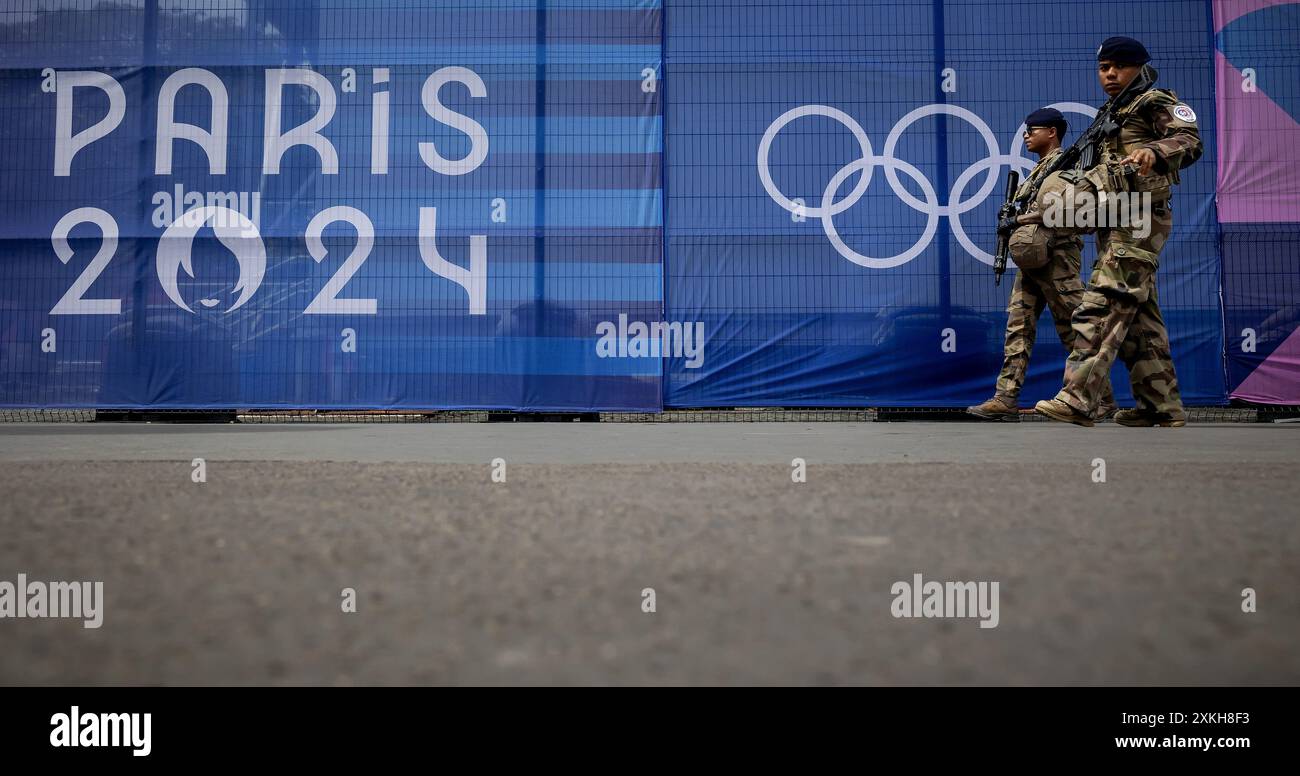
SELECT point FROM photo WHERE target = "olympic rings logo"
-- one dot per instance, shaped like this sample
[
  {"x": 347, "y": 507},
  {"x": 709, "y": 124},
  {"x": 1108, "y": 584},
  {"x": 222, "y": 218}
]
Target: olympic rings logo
[{"x": 865, "y": 167}]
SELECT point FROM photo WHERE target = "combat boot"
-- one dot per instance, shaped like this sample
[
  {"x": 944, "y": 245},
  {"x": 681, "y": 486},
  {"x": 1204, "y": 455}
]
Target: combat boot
[
  {"x": 1059, "y": 410},
  {"x": 1139, "y": 418},
  {"x": 996, "y": 408}
]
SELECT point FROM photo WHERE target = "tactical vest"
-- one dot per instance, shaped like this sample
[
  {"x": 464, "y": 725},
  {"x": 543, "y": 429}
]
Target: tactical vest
[
  {"x": 1032, "y": 245},
  {"x": 1027, "y": 184},
  {"x": 1136, "y": 130}
]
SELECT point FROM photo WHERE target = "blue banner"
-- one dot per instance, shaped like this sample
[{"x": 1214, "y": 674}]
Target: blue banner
[
  {"x": 550, "y": 204},
  {"x": 343, "y": 204},
  {"x": 835, "y": 172}
]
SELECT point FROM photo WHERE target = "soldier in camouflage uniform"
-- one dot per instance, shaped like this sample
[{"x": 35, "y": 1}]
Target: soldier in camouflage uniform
[
  {"x": 1120, "y": 314},
  {"x": 1054, "y": 285}
]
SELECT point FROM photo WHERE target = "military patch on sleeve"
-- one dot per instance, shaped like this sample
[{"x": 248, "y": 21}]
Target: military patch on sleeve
[{"x": 1184, "y": 112}]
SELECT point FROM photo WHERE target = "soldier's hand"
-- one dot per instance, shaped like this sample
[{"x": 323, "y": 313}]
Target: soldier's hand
[
  {"x": 1144, "y": 158},
  {"x": 1007, "y": 225}
]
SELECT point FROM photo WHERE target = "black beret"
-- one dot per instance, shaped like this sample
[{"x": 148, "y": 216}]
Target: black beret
[
  {"x": 1125, "y": 51},
  {"x": 1046, "y": 117}
]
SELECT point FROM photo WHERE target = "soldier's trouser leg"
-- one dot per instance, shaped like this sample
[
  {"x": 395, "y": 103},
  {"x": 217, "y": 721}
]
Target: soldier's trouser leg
[
  {"x": 1150, "y": 363},
  {"x": 1063, "y": 294},
  {"x": 1022, "y": 326},
  {"x": 1122, "y": 283}
]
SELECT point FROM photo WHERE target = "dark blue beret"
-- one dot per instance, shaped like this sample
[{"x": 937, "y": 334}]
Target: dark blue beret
[
  {"x": 1124, "y": 50},
  {"x": 1045, "y": 117}
]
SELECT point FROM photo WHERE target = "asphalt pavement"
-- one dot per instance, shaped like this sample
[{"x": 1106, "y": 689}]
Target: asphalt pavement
[{"x": 1121, "y": 556}]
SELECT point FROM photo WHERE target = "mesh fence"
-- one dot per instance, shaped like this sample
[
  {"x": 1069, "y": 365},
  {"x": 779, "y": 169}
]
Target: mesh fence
[
  {"x": 1266, "y": 414},
  {"x": 599, "y": 206},
  {"x": 835, "y": 172}
]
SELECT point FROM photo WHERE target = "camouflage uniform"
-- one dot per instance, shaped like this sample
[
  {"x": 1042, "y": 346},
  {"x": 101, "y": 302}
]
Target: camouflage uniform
[
  {"x": 1055, "y": 286},
  {"x": 1120, "y": 314}
]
